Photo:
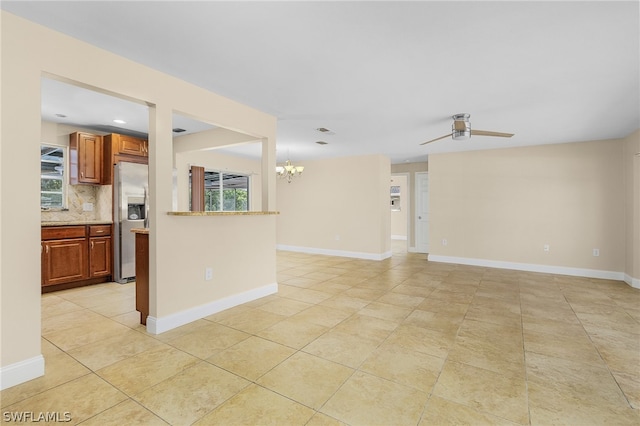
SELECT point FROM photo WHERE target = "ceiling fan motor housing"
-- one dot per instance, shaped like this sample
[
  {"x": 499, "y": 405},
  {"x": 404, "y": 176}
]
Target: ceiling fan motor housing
[{"x": 461, "y": 129}]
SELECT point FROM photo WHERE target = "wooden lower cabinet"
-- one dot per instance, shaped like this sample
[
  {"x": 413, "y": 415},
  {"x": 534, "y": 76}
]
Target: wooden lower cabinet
[
  {"x": 78, "y": 255},
  {"x": 64, "y": 261},
  {"x": 99, "y": 257}
]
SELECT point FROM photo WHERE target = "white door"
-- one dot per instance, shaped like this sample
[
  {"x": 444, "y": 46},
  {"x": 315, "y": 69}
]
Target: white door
[{"x": 422, "y": 212}]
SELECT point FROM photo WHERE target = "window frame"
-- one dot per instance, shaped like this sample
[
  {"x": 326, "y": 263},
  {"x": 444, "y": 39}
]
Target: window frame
[
  {"x": 64, "y": 178},
  {"x": 208, "y": 202}
]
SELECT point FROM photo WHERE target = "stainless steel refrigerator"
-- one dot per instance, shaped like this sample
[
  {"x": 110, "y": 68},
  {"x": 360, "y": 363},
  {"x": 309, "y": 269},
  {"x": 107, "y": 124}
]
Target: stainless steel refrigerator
[{"x": 130, "y": 210}]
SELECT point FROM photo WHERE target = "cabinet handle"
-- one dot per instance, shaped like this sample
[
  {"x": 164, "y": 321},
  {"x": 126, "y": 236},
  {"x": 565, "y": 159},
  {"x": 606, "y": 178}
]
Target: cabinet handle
[
  {"x": 91, "y": 245},
  {"x": 46, "y": 248},
  {"x": 81, "y": 174}
]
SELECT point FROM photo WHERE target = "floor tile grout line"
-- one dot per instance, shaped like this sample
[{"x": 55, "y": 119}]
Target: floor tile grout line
[
  {"x": 566, "y": 287},
  {"x": 606, "y": 364},
  {"x": 524, "y": 353}
]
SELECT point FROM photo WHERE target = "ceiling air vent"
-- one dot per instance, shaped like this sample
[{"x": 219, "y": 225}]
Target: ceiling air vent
[
  {"x": 178, "y": 130},
  {"x": 325, "y": 131}
]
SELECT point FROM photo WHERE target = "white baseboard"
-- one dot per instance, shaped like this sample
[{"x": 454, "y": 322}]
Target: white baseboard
[
  {"x": 547, "y": 269},
  {"x": 169, "y": 322},
  {"x": 21, "y": 372},
  {"x": 339, "y": 253},
  {"x": 399, "y": 237},
  {"x": 633, "y": 282}
]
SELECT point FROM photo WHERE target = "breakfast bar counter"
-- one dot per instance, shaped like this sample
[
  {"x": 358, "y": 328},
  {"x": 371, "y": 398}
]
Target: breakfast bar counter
[{"x": 230, "y": 213}]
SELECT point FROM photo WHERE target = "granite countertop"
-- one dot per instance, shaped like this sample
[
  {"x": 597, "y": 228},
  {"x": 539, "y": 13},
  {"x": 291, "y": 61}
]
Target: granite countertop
[
  {"x": 75, "y": 222},
  {"x": 140, "y": 231},
  {"x": 249, "y": 213}
]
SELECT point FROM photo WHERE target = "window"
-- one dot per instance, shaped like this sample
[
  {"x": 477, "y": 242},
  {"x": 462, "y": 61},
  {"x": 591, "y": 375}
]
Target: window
[
  {"x": 52, "y": 177},
  {"x": 225, "y": 191}
]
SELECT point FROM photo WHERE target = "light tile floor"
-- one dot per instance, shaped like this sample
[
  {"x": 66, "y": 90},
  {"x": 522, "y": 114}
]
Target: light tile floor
[{"x": 397, "y": 342}]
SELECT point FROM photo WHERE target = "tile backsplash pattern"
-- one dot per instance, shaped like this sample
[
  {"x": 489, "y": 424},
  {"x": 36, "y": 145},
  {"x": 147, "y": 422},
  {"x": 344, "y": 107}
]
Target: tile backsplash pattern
[
  {"x": 99, "y": 195},
  {"x": 104, "y": 202}
]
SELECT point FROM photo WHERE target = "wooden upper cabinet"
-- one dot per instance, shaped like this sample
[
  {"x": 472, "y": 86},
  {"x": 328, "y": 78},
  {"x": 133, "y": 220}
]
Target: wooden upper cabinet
[
  {"x": 128, "y": 145},
  {"x": 123, "y": 148},
  {"x": 85, "y": 160}
]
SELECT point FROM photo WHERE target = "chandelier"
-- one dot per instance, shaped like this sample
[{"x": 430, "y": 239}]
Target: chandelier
[{"x": 289, "y": 171}]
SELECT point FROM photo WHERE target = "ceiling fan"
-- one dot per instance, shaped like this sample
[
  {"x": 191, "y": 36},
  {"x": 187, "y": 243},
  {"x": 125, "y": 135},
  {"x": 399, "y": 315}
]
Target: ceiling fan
[{"x": 461, "y": 130}]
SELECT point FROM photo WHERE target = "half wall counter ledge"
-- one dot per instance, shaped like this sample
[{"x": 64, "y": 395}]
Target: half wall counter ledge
[
  {"x": 250, "y": 213},
  {"x": 142, "y": 273}
]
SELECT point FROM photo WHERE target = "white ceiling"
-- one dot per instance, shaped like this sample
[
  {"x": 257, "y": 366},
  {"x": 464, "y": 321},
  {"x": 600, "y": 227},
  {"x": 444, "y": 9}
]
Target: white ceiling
[
  {"x": 73, "y": 105},
  {"x": 385, "y": 76}
]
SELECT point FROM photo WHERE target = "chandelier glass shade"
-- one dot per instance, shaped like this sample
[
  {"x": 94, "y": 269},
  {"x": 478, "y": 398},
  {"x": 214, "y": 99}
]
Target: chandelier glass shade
[{"x": 289, "y": 171}]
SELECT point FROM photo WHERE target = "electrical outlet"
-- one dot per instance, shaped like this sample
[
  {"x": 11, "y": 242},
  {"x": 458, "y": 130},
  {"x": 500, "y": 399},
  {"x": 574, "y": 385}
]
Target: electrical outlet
[
  {"x": 337, "y": 237},
  {"x": 596, "y": 252},
  {"x": 87, "y": 207},
  {"x": 208, "y": 274},
  {"x": 546, "y": 248},
  {"x": 444, "y": 242}
]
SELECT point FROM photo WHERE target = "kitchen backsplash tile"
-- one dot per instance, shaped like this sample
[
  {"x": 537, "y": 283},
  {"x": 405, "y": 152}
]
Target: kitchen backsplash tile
[
  {"x": 77, "y": 196},
  {"x": 104, "y": 202}
]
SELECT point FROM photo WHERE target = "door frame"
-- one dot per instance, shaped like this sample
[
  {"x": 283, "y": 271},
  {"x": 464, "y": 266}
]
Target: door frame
[
  {"x": 417, "y": 199},
  {"x": 408, "y": 209}
]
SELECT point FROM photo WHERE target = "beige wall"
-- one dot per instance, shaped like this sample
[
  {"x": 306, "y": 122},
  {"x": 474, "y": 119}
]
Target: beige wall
[
  {"x": 411, "y": 169},
  {"x": 214, "y": 138},
  {"x": 506, "y": 204},
  {"x": 631, "y": 167},
  {"x": 239, "y": 249},
  {"x": 399, "y": 218},
  {"x": 28, "y": 51},
  {"x": 339, "y": 205}
]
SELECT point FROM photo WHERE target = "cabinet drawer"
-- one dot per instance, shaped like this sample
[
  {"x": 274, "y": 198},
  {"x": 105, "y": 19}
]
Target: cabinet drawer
[
  {"x": 99, "y": 230},
  {"x": 62, "y": 232}
]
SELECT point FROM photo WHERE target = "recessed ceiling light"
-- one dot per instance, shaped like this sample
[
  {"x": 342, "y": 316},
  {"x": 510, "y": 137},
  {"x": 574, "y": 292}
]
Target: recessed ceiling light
[
  {"x": 322, "y": 142},
  {"x": 61, "y": 115},
  {"x": 117, "y": 120},
  {"x": 178, "y": 130},
  {"x": 323, "y": 129}
]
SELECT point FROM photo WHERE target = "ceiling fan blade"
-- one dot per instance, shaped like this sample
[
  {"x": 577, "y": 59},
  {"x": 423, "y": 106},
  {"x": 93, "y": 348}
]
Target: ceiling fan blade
[
  {"x": 459, "y": 125},
  {"x": 436, "y": 139},
  {"x": 490, "y": 133}
]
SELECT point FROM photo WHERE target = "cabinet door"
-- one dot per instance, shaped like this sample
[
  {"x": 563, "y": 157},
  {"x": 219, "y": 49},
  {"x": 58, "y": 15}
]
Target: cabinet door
[
  {"x": 90, "y": 158},
  {"x": 64, "y": 261},
  {"x": 132, "y": 146},
  {"x": 85, "y": 161},
  {"x": 100, "y": 256},
  {"x": 44, "y": 267}
]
